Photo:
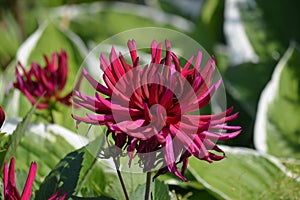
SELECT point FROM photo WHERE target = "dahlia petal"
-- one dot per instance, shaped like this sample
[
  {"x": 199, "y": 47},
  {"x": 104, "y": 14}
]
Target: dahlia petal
[
  {"x": 130, "y": 150},
  {"x": 2, "y": 116},
  {"x": 116, "y": 65},
  {"x": 28, "y": 185},
  {"x": 204, "y": 99},
  {"x": 170, "y": 159},
  {"x": 218, "y": 136},
  {"x": 225, "y": 119},
  {"x": 101, "y": 118},
  {"x": 147, "y": 113},
  {"x": 168, "y": 53},
  {"x": 198, "y": 61},
  {"x": 106, "y": 68},
  {"x": 176, "y": 62},
  {"x": 214, "y": 116},
  {"x": 83, "y": 119},
  {"x": 126, "y": 66},
  {"x": 153, "y": 50},
  {"x": 224, "y": 127},
  {"x": 95, "y": 84},
  {"x": 132, "y": 48},
  {"x": 186, "y": 66},
  {"x": 215, "y": 157},
  {"x": 62, "y": 70},
  {"x": 203, "y": 153},
  {"x": 157, "y": 58}
]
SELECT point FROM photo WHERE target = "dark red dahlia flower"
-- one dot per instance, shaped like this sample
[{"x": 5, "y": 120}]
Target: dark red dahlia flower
[
  {"x": 2, "y": 116},
  {"x": 48, "y": 81},
  {"x": 10, "y": 190},
  {"x": 153, "y": 110}
]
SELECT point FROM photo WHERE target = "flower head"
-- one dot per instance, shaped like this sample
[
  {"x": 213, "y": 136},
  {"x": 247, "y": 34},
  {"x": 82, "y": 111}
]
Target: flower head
[
  {"x": 153, "y": 110},
  {"x": 10, "y": 190},
  {"x": 2, "y": 116},
  {"x": 48, "y": 81}
]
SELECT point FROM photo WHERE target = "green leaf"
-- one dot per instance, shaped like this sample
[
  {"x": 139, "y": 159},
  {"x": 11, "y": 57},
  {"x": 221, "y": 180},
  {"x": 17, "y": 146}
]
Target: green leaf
[
  {"x": 244, "y": 174},
  {"x": 260, "y": 36},
  {"x": 239, "y": 83},
  {"x": 92, "y": 180},
  {"x": 91, "y": 198},
  {"x": 116, "y": 17},
  {"x": 64, "y": 176},
  {"x": 277, "y": 128},
  {"x": 17, "y": 136},
  {"x": 158, "y": 190}
]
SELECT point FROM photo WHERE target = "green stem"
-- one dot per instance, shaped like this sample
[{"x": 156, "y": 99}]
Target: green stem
[
  {"x": 121, "y": 180},
  {"x": 148, "y": 185},
  {"x": 51, "y": 116}
]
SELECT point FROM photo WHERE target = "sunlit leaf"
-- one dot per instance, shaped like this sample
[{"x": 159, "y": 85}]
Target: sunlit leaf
[
  {"x": 277, "y": 128},
  {"x": 244, "y": 174}
]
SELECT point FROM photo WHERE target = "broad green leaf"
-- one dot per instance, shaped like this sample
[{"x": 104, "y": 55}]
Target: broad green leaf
[
  {"x": 277, "y": 128},
  {"x": 239, "y": 83},
  {"x": 283, "y": 27},
  {"x": 132, "y": 182},
  {"x": 92, "y": 180},
  {"x": 244, "y": 174},
  {"x": 64, "y": 176},
  {"x": 158, "y": 190},
  {"x": 262, "y": 39}
]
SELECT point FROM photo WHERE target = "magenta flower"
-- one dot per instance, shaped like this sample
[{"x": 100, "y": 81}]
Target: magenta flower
[
  {"x": 48, "y": 81},
  {"x": 153, "y": 110},
  {"x": 2, "y": 116},
  {"x": 10, "y": 190}
]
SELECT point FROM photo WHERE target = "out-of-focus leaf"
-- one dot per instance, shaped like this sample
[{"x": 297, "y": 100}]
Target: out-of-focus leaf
[
  {"x": 283, "y": 27},
  {"x": 9, "y": 40},
  {"x": 189, "y": 9},
  {"x": 277, "y": 128},
  {"x": 261, "y": 37},
  {"x": 244, "y": 174},
  {"x": 98, "y": 21},
  {"x": 17, "y": 136},
  {"x": 245, "y": 83}
]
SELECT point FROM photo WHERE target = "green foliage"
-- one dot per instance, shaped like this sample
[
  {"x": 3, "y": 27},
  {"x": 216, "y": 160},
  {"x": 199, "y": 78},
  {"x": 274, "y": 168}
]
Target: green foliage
[
  {"x": 16, "y": 137},
  {"x": 243, "y": 174},
  {"x": 282, "y": 114},
  {"x": 158, "y": 191}
]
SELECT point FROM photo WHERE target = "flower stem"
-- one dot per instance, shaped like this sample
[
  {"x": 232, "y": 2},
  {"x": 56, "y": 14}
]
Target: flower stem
[
  {"x": 148, "y": 184},
  {"x": 121, "y": 180},
  {"x": 51, "y": 116},
  {"x": 123, "y": 184}
]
